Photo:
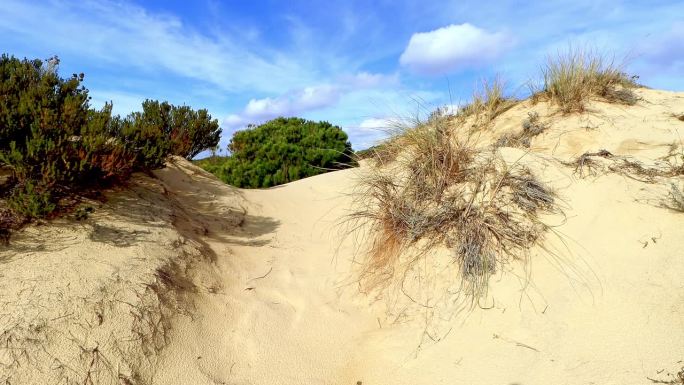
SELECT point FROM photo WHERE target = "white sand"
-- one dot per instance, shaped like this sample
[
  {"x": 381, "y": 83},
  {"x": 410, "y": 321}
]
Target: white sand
[{"x": 274, "y": 301}]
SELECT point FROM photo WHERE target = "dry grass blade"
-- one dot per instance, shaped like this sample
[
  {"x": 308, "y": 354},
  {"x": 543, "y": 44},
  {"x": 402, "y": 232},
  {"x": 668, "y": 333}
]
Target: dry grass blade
[
  {"x": 676, "y": 198},
  {"x": 674, "y": 378},
  {"x": 679, "y": 117},
  {"x": 624, "y": 165},
  {"x": 585, "y": 161}
]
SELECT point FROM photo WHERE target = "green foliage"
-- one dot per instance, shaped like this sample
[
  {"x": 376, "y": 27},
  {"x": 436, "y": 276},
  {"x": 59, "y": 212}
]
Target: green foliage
[
  {"x": 281, "y": 151},
  {"x": 32, "y": 200},
  {"x": 51, "y": 139},
  {"x": 162, "y": 129},
  {"x": 54, "y": 144}
]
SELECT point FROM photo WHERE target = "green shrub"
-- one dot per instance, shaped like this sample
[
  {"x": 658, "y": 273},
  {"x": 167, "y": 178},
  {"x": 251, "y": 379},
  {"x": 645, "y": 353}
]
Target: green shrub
[
  {"x": 50, "y": 138},
  {"x": 281, "y": 151},
  {"x": 32, "y": 200},
  {"x": 53, "y": 144},
  {"x": 161, "y": 129}
]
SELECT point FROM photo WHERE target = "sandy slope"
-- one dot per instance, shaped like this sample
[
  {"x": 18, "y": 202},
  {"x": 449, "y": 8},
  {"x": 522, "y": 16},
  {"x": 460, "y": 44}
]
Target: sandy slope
[
  {"x": 610, "y": 312},
  {"x": 269, "y": 295},
  {"x": 90, "y": 302}
]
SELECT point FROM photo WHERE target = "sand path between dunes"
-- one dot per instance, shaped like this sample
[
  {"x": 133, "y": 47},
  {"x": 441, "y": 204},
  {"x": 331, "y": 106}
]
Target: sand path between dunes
[
  {"x": 281, "y": 315},
  {"x": 605, "y": 303}
]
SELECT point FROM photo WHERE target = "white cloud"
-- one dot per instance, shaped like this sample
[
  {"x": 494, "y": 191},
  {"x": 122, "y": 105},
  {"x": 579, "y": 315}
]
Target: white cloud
[
  {"x": 364, "y": 79},
  {"x": 452, "y": 48},
  {"x": 289, "y": 104},
  {"x": 374, "y": 124},
  {"x": 370, "y": 131}
]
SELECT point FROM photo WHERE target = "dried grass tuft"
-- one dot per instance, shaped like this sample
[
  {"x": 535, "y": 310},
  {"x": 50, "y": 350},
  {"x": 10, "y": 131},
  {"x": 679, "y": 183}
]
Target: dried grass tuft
[
  {"x": 676, "y": 201},
  {"x": 624, "y": 165},
  {"x": 443, "y": 191},
  {"x": 531, "y": 127},
  {"x": 572, "y": 77}
]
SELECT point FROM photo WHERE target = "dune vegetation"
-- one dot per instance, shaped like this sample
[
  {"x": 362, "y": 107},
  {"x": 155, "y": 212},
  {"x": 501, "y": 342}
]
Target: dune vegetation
[
  {"x": 443, "y": 182},
  {"x": 54, "y": 146},
  {"x": 573, "y": 76},
  {"x": 279, "y": 151}
]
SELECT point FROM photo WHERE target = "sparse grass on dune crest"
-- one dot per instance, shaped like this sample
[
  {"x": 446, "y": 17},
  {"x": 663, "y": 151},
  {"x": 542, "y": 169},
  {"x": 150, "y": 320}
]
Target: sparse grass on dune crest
[
  {"x": 444, "y": 191},
  {"x": 572, "y": 77},
  {"x": 489, "y": 101}
]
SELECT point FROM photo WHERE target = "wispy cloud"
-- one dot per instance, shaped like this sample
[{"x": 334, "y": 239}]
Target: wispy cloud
[
  {"x": 452, "y": 48},
  {"x": 300, "y": 101},
  {"x": 125, "y": 35},
  {"x": 371, "y": 131}
]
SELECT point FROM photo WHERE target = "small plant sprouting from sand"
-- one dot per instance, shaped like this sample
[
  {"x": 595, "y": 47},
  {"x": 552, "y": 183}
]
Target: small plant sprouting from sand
[
  {"x": 574, "y": 76},
  {"x": 444, "y": 191}
]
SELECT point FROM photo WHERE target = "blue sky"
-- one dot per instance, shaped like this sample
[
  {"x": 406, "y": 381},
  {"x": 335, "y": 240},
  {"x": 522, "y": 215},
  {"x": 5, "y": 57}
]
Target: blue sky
[{"x": 353, "y": 63}]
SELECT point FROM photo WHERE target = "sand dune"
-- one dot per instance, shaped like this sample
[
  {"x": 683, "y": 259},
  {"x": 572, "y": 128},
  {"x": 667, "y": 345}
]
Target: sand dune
[{"x": 184, "y": 280}]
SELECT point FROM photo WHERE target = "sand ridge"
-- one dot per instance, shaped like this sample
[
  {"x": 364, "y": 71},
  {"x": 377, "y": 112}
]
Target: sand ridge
[{"x": 271, "y": 273}]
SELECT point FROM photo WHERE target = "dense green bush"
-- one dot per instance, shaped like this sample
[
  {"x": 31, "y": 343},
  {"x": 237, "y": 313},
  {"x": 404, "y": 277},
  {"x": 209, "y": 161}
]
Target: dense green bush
[
  {"x": 161, "y": 129},
  {"x": 280, "y": 151},
  {"x": 53, "y": 144},
  {"x": 50, "y": 139}
]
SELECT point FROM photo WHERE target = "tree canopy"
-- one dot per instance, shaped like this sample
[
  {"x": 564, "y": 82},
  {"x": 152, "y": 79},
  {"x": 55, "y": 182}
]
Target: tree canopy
[
  {"x": 53, "y": 143},
  {"x": 281, "y": 151}
]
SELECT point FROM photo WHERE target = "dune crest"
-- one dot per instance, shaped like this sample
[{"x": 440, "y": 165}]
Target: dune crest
[{"x": 181, "y": 279}]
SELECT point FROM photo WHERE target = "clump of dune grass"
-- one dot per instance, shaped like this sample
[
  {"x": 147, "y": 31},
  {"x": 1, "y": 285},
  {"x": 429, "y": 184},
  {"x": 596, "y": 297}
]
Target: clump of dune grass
[
  {"x": 442, "y": 190},
  {"x": 489, "y": 101},
  {"x": 587, "y": 161},
  {"x": 574, "y": 76},
  {"x": 531, "y": 127}
]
